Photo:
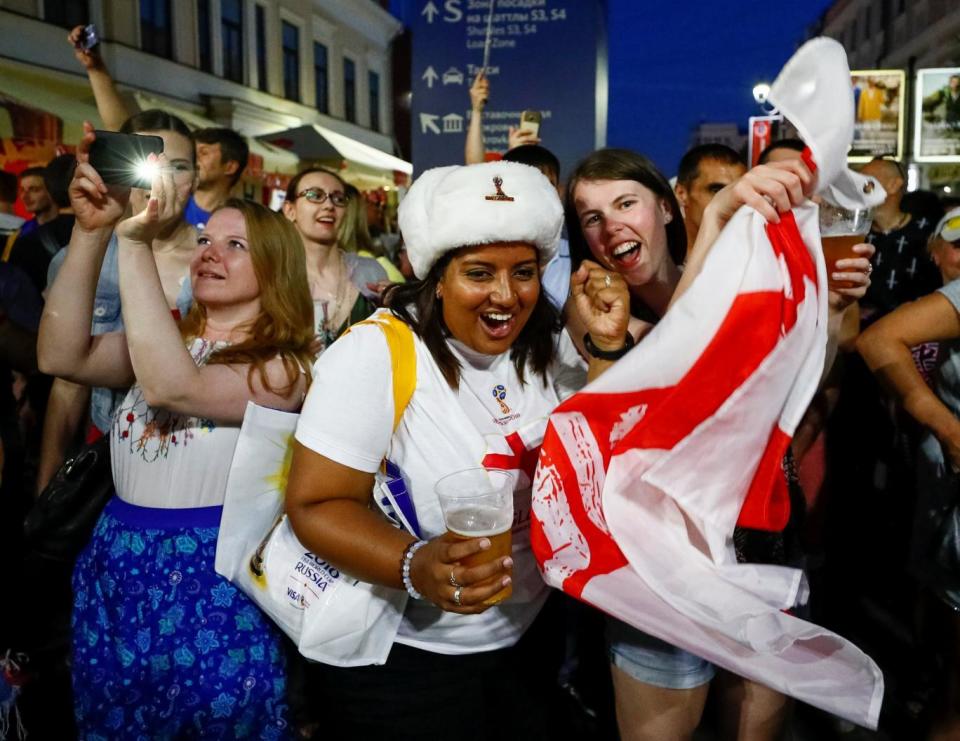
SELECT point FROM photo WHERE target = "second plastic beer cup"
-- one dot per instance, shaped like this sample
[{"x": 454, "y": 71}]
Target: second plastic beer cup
[
  {"x": 840, "y": 230},
  {"x": 478, "y": 503}
]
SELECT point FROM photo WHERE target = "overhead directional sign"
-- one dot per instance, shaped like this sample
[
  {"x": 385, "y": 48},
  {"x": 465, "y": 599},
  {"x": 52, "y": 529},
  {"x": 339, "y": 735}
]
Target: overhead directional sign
[{"x": 545, "y": 55}]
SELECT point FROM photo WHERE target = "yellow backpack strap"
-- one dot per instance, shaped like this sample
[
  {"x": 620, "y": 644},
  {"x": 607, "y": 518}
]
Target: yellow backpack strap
[
  {"x": 8, "y": 247},
  {"x": 403, "y": 359}
]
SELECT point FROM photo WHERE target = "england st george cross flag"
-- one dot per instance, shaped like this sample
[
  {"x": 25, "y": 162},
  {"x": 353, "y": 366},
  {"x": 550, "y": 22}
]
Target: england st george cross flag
[{"x": 643, "y": 475}]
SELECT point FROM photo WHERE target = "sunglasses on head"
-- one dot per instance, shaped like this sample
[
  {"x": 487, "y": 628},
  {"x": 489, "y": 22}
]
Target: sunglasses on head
[
  {"x": 952, "y": 224},
  {"x": 319, "y": 195}
]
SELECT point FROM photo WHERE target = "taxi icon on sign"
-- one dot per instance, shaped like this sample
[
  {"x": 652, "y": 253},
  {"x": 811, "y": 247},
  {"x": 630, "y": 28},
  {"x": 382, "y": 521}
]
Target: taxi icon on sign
[{"x": 452, "y": 76}]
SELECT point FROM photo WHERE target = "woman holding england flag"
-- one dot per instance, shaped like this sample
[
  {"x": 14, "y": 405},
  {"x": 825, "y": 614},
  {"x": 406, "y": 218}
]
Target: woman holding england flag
[
  {"x": 626, "y": 227},
  {"x": 622, "y": 214}
]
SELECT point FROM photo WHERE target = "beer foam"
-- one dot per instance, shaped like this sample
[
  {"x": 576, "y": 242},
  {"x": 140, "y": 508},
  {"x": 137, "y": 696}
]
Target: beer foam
[{"x": 479, "y": 522}]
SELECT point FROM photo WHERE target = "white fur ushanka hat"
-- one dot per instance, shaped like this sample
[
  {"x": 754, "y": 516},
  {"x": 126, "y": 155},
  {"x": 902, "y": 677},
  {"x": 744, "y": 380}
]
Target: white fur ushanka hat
[{"x": 467, "y": 205}]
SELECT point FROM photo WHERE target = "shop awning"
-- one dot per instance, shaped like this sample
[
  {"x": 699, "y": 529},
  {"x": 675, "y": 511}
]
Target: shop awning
[
  {"x": 65, "y": 96},
  {"x": 318, "y": 143},
  {"x": 192, "y": 117},
  {"x": 6, "y": 122},
  {"x": 274, "y": 158}
]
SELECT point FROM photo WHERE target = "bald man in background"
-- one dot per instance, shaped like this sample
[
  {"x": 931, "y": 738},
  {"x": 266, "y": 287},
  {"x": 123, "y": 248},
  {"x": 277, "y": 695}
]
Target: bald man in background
[{"x": 902, "y": 269}]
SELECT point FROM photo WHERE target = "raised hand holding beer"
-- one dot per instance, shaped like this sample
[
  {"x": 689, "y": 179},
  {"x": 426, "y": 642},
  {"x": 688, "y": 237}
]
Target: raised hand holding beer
[
  {"x": 840, "y": 230},
  {"x": 843, "y": 234},
  {"x": 467, "y": 569}
]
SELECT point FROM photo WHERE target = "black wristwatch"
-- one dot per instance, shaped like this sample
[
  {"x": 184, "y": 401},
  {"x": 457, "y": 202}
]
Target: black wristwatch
[{"x": 628, "y": 343}]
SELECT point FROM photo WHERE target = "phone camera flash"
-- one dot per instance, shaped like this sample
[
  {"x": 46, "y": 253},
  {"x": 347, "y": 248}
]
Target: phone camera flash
[{"x": 146, "y": 171}]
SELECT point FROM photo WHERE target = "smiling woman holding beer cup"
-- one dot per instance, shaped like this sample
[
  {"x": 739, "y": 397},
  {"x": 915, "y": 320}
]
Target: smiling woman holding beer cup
[{"x": 491, "y": 364}]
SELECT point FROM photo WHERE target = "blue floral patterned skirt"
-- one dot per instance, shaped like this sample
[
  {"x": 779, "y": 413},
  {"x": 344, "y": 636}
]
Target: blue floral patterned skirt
[{"x": 164, "y": 647}]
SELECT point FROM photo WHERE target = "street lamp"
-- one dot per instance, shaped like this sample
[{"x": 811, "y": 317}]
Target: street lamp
[
  {"x": 761, "y": 129},
  {"x": 761, "y": 91}
]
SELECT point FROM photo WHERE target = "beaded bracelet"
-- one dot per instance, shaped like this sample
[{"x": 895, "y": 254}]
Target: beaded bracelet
[{"x": 405, "y": 567}]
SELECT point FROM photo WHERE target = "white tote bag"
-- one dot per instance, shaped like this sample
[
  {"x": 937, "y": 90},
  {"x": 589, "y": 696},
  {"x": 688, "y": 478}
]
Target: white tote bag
[{"x": 331, "y": 616}]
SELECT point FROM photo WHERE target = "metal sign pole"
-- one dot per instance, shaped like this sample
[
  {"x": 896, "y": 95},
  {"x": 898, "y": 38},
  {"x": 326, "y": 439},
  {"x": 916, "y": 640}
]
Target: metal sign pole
[{"x": 486, "y": 44}]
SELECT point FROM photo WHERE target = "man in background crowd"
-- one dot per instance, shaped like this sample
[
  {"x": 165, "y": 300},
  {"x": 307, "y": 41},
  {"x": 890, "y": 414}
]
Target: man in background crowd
[
  {"x": 36, "y": 199},
  {"x": 556, "y": 274},
  {"x": 781, "y": 150},
  {"x": 902, "y": 270},
  {"x": 221, "y": 158},
  {"x": 32, "y": 251},
  {"x": 703, "y": 172},
  {"x": 10, "y": 223}
]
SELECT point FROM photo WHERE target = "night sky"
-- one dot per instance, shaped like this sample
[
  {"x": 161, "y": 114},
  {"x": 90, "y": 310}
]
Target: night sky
[{"x": 673, "y": 65}]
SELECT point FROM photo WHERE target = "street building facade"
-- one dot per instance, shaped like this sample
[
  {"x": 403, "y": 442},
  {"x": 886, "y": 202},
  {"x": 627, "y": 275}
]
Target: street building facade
[
  {"x": 261, "y": 67},
  {"x": 921, "y": 38}
]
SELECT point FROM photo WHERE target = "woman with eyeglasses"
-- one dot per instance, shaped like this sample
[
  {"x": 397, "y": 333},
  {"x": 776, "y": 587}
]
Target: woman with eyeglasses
[{"x": 316, "y": 203}]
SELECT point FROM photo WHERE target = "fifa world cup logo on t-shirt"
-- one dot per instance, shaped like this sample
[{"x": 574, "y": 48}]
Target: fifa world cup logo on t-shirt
[{"x": 500, "y": 393}]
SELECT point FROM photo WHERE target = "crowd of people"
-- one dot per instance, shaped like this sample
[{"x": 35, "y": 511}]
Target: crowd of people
[{"x": 152, "y": 317}]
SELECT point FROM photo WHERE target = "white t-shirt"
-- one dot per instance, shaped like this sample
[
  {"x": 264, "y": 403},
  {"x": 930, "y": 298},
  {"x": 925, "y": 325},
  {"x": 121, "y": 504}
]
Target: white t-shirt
[{"x": 348, "y": 417}]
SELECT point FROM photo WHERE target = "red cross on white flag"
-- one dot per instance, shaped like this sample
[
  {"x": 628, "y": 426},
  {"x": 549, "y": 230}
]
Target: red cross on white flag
[{"x": 644, "y": 474}]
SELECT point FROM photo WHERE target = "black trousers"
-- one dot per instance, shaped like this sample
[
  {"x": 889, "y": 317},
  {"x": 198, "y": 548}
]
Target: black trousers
[{"x": 505, "y": 694}]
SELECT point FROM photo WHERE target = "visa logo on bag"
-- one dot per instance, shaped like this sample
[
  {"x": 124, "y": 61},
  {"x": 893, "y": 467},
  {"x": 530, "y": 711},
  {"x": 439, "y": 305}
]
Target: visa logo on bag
[{"x": 310, "y": 577}]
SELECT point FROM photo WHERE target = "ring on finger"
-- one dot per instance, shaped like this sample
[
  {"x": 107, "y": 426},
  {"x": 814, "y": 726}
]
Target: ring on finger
[
  {"x": 457, "y": 594},
  {"x": 606, "y": 280},
  {"x": 869, "y": 268},
  {"x": 453, "y": 580}
]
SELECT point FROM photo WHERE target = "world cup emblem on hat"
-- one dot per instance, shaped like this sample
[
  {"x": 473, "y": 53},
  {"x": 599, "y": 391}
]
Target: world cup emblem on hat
[
  {"x": 500, "y": 393},
  {"x": 499, "y": 195}
]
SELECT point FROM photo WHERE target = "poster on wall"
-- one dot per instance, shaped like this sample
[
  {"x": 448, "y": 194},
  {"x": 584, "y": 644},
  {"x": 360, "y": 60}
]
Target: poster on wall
[
  {"x": 937, "y": 123},
  {"x": 878, "y": 96}
]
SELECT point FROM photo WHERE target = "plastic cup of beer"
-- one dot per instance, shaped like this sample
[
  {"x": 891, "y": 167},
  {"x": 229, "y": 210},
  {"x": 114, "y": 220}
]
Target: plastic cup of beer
[
  {"x": 478, "y": 503},
  {"x": 841, "y": 229}
]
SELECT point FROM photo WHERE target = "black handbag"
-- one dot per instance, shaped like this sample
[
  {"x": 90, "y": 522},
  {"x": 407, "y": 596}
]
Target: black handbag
[
  {"x": 61, "y": 521},
  {"x": 945, "y": 547}
]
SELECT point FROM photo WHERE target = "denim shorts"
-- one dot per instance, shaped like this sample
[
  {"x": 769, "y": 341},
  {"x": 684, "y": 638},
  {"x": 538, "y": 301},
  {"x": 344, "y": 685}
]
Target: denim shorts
[{"x": 652, "y": 661}]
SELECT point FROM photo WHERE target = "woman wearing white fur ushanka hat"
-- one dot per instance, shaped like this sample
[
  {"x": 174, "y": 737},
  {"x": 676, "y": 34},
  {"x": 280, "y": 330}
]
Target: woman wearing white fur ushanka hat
[{"x": 491, "y": 364}]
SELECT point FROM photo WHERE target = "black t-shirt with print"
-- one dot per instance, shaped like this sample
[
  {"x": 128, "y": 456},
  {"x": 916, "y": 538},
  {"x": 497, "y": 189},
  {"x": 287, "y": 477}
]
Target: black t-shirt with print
[{"x": 902, "y": 269}]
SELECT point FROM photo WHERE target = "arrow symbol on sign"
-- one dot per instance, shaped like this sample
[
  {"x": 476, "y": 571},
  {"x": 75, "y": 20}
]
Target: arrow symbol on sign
[
  {"x": 430, "y": 10},
  {"x": 428, "y": 122},
  {"x": 430, "y": 76}
]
